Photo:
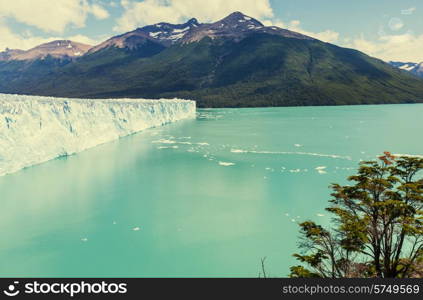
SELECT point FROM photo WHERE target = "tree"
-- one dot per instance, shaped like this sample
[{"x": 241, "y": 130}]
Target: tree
[{"x": 378, "y": 222}]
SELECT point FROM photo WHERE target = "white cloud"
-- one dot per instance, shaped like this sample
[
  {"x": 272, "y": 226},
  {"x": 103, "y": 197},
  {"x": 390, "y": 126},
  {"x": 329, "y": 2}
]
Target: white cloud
[
  {"x": 99, "y": 12},
  {"x": 175, "y": 11},
  {"x": 51, "y": 16},
  {"x": 395, "y": 24},
  {"x": 398, "y": 47},
  {"x": 402, "y": 47},
  {"x": 26, "y": 40},
  {"x": 274, "y": 22},
  {"x": 408, "y": 11},
  {"x": 328, "y": 35}
]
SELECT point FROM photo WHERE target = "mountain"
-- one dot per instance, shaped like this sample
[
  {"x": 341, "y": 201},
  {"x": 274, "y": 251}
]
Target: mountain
[
  {"x": 419, "y": 69},
  {"x": 22, "y": 69},
  {"x": 236, "y": 26},
  {"x": 10, "y": 54},
  {"x": 414, "y": 68},
  {"x": 407, "y": 66},
  {"x": 164, "y": 34},
  {"x": 61, "y": 49},
  {"x": 235, "y": 62}
]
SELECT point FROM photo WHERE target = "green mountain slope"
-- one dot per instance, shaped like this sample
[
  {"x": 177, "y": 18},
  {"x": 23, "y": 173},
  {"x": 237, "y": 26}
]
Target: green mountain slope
[{"x": 259, "y": 70}]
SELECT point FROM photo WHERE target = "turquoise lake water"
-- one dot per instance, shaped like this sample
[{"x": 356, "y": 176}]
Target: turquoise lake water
[{"x": 200, "y": 198}]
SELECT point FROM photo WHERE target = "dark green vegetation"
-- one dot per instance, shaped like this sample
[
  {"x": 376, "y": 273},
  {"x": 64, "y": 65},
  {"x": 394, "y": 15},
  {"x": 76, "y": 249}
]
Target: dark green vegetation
[
  {"x": 379, "y": 225},
  {"x": 259, "y": 70}
]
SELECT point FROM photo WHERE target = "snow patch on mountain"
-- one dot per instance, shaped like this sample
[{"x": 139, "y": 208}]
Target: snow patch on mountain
[
  {"x": 412, "y": 67},
  {"x": 155, "y": 34},
  {"x": 181, "y": 30},
  {"x": 37, "y": 129},
  {"x": 408, "y": 66}
]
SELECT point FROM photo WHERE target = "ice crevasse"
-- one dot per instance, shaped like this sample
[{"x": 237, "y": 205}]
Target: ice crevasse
[{"x": 36, "y": 129}]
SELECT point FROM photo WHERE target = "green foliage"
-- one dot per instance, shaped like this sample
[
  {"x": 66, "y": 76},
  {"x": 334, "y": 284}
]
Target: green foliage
[
  {"x": 260, "y": 70},
  {"x": 378, "y": 224}
]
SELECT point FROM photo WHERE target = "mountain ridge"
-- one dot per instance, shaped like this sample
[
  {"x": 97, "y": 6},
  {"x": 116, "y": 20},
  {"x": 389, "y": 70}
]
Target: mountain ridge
[
  {"x": 412, "y": 67},
  {"x": 57, "y": 49}
]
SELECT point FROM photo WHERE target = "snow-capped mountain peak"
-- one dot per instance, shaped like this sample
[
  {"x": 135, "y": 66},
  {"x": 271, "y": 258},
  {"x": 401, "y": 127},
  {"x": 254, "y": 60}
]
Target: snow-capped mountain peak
[
  {"x": 412, "y": 67},
  {"x": 56, "y": 49},
  {"x": 165, "y": 34},
  {"x": 236, "y": 26},
  {"x": 158, "y": 36}
]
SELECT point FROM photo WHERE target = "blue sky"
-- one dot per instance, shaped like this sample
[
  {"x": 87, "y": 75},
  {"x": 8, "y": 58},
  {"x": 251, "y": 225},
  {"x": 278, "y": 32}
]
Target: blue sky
[
  {"x": 387, "y": 29},
  {"x": 352, "y": 18}
]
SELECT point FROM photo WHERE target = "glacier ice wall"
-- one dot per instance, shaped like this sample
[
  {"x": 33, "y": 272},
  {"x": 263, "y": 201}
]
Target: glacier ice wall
[{"x": 37, "y": 129}]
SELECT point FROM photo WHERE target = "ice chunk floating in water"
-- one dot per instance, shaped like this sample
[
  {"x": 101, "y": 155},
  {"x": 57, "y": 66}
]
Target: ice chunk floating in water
[{"x": 37, "y": 129}]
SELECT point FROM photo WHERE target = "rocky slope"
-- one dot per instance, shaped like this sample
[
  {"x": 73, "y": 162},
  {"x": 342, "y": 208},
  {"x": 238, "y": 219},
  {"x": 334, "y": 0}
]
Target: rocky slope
[{"x": 56, "y": 49}]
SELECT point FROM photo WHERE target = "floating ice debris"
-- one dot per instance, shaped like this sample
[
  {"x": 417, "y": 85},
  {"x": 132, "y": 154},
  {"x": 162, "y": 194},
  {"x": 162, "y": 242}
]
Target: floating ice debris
[
  {"x": 320, "y": 215},
  {"x": 295, "y": 171},
  {"x": 226, "y": 164},
  {"x": 84, "y": 240},
  {"x": 238, "y": 151},
  {"x": 293, "y": 220},
  {"x": 291, "y": 153},
  {"x": 168, "y": 147},
  {"x": 136, "y": 229},
  {"x": 298, "y": 145},
  {"x": 321, "y": 170},
  {"x": 287, "y": 214},
  {"x": 170, "y": 141},
  {"x": 409, "y": 155},
  {"x": 164, "y": 141},
  {"x": 114, "y": 222}
]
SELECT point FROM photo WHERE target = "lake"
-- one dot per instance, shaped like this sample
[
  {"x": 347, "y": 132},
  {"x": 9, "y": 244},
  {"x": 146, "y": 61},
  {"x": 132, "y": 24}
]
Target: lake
[{"x": 201, "y": 198}]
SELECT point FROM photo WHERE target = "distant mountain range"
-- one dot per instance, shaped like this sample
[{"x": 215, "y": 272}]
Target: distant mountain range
[
  {"x": 414, "y": 68},
  {"x": 56, "y": 49},
  {"x": 235, "y": 62}
]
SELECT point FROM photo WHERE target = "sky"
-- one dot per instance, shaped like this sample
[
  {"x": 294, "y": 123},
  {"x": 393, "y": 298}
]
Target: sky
[{"x": 386, "y": 29}]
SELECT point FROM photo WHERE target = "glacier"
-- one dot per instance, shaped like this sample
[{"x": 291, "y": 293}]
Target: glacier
[{"x": 35, "y": 129}]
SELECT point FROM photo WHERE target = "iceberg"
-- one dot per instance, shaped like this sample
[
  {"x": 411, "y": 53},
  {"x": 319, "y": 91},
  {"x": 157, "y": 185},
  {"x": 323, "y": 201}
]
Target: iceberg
[{"x": 36, "y": 129}]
